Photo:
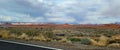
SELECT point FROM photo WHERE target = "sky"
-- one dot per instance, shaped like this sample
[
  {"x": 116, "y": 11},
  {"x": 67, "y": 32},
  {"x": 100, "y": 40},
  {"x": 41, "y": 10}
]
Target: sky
[{"x": 61, "y": 11}]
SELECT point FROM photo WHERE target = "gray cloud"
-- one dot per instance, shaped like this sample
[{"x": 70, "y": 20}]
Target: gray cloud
[
  {"x": 61, "y": 11},
  {"x": 113, "y": 9}
]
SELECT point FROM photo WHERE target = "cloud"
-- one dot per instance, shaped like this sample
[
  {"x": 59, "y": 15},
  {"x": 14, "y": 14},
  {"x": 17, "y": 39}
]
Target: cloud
[
  {"x": 61, "y": 11},
  {"x": 113, "y": 9}
]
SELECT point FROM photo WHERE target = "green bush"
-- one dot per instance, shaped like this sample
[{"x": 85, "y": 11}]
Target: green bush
[
  {"x": 49, "y": 34},
  {"x": 75, "y": 39},
  {"x": 85, "y": 41}
]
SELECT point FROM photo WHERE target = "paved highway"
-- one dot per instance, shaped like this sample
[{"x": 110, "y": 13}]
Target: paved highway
[{"x": 10, "y": 45}]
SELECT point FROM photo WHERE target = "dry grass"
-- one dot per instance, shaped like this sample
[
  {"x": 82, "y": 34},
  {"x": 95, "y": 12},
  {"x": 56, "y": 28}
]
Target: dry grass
[
  {"x": 115, "y": 45},
  {"x": 40, "y": 38},
  {"x": 103, "y": 41},
  {"x": 46, "y": 36},
  {"x": 64, "y": 40},
  {"x": 93, "y": 42},
  {"x": 24, "y": 36},
  {"x": 116, "y": 38},
  {"x": 5, "y": 34},
  {"x": 13, "y": 36}
]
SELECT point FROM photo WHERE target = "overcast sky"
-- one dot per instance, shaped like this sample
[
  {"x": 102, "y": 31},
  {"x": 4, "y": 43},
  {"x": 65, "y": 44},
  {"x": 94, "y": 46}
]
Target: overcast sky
[{"x": 61, "y": 11}]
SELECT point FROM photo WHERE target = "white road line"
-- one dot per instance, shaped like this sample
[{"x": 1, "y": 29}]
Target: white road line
[{"x": 30, "y": 44}]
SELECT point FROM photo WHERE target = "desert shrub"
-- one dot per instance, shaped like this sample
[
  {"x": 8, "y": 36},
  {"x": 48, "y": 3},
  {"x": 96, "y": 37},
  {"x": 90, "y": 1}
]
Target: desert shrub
[
  {"x": 116, "y": 38},
  {"x": 85, "y": 41},
  {"x": 31, "y": 33},
  {"x": 49, "y": 34},
  {"x": 15, "y": 31},
  {"x": 14, "y": 36},
  {"x": 48, "y": 40},
  {"x": 93, "y": 42},
  {"x": 103, "y": 41},
  {"x": 4, "y": 34},
  {"x": 75, "y": 39},
  {"x": 64, "y": 40},
  {"x": 28, "y": 31},
  {"x": 24, "y": 36},
  {"x": 41, "y": 38},
  {"x": 38, "y": 38},
  {"x": 115, "y": 45}
]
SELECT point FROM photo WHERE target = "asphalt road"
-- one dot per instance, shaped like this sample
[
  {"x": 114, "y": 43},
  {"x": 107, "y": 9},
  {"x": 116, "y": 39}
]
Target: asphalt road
[{"x": 10, "y": 45}]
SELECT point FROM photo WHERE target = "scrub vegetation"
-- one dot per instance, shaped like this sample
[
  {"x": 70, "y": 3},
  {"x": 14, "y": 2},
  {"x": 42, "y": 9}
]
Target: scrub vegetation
[{"x": 87, "y": 36}]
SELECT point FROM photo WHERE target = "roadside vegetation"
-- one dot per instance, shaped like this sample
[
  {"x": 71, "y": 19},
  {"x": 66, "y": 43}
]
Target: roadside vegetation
[{"x": 86, "y": 36}]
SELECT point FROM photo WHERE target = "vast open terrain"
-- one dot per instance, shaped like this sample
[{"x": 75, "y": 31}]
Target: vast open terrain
[{"x": 65, "y": 36}]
